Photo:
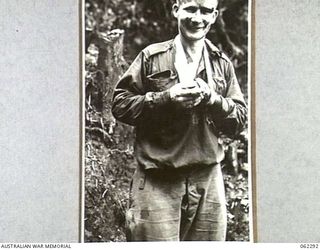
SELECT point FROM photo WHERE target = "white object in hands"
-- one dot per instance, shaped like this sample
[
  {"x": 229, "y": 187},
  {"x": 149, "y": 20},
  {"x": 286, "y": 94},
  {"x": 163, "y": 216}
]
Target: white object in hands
[{"x": 187, "y": 92}]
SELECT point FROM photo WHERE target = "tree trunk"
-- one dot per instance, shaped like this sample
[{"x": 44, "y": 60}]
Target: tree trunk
[{"x": 111, "y": 62}]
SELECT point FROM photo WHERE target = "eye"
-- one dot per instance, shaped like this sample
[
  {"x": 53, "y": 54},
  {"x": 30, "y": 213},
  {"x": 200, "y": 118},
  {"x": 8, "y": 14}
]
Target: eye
[
  {"x": 206, "y": 11},
  {"x": 191, "y": 9}
]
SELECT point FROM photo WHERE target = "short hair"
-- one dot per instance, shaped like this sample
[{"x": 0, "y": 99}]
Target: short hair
[{"x": 178, "y": 2}]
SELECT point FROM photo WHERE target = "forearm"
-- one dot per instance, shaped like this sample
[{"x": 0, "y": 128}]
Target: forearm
[
  {"x": 230, "y": 114},
  {"x": 132, "y": 108}
]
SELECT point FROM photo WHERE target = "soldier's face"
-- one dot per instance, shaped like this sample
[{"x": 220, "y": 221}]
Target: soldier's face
[{"x": 195, "y": 17}]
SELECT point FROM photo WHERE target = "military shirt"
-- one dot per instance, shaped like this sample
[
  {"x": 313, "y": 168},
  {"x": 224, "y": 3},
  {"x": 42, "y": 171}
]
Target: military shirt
[{"x": 167, "y": 135}]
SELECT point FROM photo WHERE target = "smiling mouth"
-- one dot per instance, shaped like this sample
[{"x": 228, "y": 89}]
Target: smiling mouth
[
  {"x": 196, "y": 28},
  {"x": 193, "y": 27}
]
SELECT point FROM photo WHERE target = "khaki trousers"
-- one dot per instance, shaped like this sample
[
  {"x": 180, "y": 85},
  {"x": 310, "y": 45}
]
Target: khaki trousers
[{"x": 179, "y": 205}]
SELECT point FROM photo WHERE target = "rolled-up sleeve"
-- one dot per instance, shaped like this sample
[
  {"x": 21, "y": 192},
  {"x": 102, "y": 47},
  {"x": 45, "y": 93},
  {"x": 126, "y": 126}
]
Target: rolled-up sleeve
[
  {"x": 230, "y": 111},
  {"x": 131, "y": 101}
]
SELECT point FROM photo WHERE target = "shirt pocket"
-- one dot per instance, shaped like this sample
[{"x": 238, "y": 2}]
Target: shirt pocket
[
  {"x": 221, "y": 85},
  {"x": 162, "y": 80}
]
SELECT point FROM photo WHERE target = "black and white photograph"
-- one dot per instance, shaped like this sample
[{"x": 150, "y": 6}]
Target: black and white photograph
[
  {"x": 167, "y": 120},
  {"x": 132, "y": 123}
]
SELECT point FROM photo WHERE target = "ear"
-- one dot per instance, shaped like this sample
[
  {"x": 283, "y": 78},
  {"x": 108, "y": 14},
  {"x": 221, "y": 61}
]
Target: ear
[
  {"x": 214, "y": 16},
  {"x": 175, "y": 9},
  {"x": 216, "y": 13}
]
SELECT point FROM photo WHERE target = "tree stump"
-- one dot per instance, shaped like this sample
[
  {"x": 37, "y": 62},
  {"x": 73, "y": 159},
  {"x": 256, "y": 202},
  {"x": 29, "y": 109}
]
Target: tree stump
[{"x": 111, "y": 62}]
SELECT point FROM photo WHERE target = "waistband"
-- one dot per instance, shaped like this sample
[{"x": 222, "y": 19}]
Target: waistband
[{"x": 172, "y": 173}]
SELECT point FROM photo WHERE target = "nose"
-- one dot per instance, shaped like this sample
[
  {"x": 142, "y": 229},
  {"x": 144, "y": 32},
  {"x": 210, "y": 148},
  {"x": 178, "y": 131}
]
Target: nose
[{"x": 197, "y": 17}]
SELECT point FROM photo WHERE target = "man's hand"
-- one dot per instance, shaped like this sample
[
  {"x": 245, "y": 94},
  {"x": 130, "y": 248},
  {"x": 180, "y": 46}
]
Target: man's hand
[
  {"x": 187, "y": 95},
  {"x": 209, "y": 96}
]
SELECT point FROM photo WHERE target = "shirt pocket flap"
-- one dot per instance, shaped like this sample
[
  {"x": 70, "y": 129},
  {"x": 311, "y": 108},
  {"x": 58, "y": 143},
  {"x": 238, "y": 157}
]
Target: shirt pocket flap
[
  {"x": 221, "y": 85},
  {"x": 162, "y": 80}
]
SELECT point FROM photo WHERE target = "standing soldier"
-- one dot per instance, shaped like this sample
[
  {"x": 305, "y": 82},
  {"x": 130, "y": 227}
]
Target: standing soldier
[{"x": 180, "y": 95}]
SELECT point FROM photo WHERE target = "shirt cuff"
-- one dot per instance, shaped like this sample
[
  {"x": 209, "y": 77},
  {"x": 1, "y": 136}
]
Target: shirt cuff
[
  {"x": 154, "y": 99},
  {"x": 221, "y": 105}
]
